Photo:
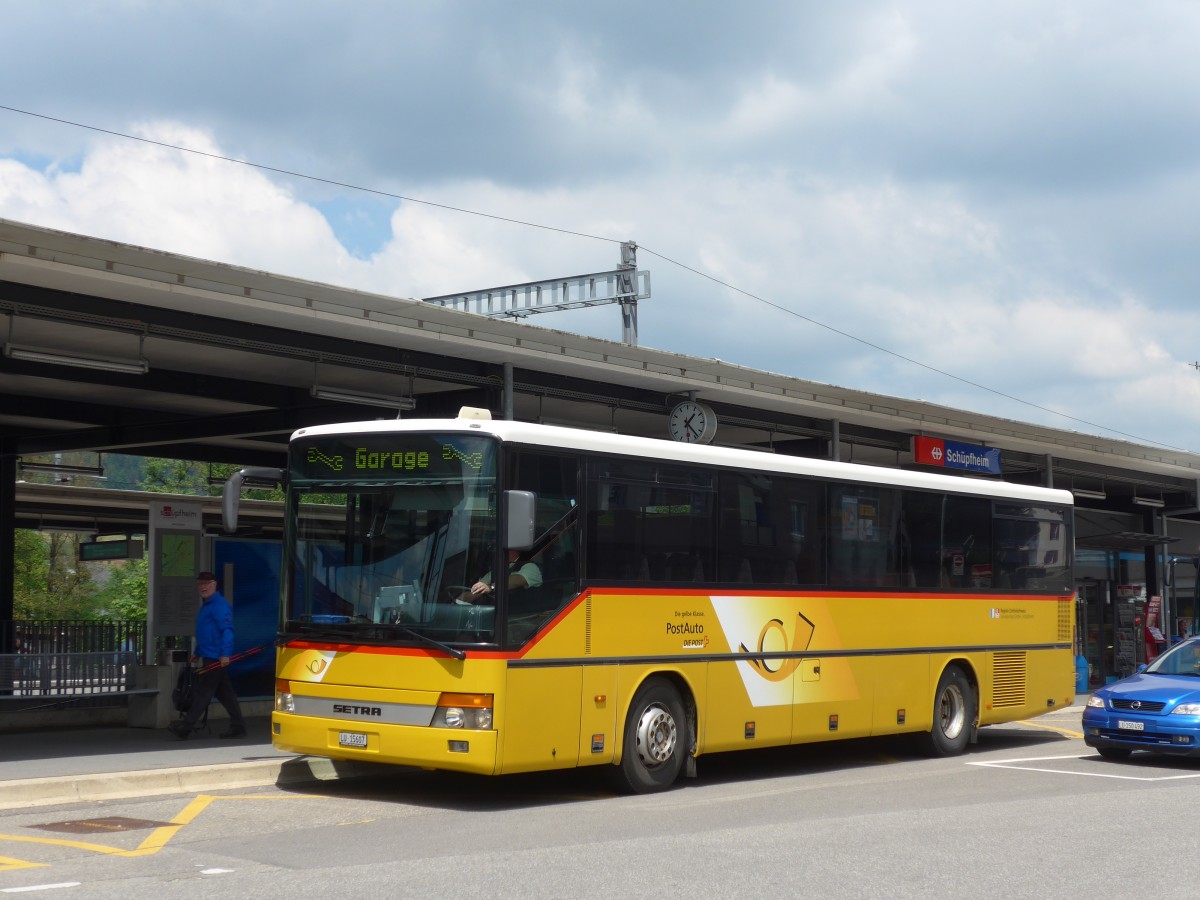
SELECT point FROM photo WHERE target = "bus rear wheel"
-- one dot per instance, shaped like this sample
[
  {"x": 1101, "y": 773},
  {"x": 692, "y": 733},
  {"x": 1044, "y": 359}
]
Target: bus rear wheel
[
  {"x": 655, "y": 739},
  {"x": 953, "y": 714}
]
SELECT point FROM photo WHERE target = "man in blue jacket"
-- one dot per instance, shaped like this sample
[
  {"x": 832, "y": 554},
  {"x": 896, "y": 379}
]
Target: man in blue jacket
[{"x": 214, "y": 646}]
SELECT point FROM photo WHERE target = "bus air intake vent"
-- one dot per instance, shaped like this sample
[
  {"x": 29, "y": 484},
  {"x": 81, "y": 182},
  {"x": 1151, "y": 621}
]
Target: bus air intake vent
[
  {"x": 1065, "y": 608},
  {"x": 587, "y": 625},
  {"x": 1008, "y": 678}
]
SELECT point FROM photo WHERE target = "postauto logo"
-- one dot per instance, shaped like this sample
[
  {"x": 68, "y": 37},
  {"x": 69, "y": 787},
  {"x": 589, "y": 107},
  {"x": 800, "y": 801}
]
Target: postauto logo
[{"x": 952, "y": 455}]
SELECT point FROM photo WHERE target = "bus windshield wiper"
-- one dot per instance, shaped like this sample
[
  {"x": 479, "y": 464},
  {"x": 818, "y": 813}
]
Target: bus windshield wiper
[
  {"x": 374, "y": 633},
  {"x": 427, "y": 640},
  {"x": 332, "y": 631}
]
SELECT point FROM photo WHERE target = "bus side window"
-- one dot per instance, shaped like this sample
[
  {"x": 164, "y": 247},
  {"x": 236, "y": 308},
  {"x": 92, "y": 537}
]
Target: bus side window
[
  {"x": 649, "y": 521},
  {"x": 1033, "y": 547},
  {"x": 922, "y": 538},
  {"x": 863, "y": 539},
  {"x": 967, "y": 543}
]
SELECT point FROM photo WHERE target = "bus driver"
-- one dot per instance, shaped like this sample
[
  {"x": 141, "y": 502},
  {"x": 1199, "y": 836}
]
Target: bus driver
[{"x": 519, "y": 576}]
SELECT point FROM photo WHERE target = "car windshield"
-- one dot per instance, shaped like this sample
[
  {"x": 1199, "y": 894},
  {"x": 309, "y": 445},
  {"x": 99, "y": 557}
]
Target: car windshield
[
  {"x": 1182, "y": 659},
  {"x": 387, "y": 532}
]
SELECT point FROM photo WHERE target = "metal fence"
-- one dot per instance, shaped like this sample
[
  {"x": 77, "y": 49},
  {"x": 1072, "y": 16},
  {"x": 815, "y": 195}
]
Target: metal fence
[
  {"x": 69, "y": 658},
  {"x": 66, "y": 674}
]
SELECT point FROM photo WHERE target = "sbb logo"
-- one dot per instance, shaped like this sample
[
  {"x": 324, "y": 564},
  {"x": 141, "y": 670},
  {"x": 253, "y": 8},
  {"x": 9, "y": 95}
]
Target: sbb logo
[{"x": 936, "y": 453}]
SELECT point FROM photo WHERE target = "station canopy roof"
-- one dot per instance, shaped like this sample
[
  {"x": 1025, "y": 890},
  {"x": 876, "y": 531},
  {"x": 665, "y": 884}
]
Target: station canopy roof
[{"x": 111, "y": 348}]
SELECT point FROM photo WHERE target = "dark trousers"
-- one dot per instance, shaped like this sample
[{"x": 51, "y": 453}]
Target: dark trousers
[{"x": 214, "y": 683}]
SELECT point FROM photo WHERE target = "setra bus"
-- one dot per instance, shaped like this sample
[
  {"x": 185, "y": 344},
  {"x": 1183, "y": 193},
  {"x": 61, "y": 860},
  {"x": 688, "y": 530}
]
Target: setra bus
[{"x": 683, "y": 600}]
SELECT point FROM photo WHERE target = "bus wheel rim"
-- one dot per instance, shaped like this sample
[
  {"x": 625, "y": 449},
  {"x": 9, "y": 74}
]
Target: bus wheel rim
[
  {"x": 952, "y": 712},
  {"x": 656, "y": 736}
]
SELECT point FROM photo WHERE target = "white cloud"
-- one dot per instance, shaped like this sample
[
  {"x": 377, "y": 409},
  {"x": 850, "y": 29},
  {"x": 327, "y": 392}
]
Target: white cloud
[
  {"x": 1007, "y": 194},
  {"x": 917, "y": 275}
]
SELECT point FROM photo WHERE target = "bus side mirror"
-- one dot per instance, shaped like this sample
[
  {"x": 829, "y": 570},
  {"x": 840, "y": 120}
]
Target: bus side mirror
[
  {"x": 518, "y": 532},
  {"x": 231, "y": 492}
]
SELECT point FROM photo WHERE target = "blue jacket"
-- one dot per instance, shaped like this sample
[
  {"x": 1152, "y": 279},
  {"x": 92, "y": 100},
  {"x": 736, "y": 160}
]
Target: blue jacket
[{"x": 214, "y": 628}]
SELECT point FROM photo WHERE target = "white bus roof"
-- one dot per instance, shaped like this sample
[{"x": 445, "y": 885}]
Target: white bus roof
[{"x": 651, "y": 448}]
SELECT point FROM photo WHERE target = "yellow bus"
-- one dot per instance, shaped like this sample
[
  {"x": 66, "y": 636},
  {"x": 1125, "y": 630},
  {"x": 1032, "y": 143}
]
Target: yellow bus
[{"x": 658, "y": 601}]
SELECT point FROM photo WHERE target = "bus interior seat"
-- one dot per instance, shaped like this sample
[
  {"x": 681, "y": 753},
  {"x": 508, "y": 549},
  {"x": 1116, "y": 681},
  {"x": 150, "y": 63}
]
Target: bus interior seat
[
  {"x": 657, "y": 567},
  {"x": 685, "y": 567},
  {"x": 528, "y": 600},
  {"x": 745, "y": 574}
]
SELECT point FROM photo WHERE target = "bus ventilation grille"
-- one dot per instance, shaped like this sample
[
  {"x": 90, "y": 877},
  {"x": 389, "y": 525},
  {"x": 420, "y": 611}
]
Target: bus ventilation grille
[
  {"x": 1065, "y": 608},
  {"x": 1008, "y": 679},
  {"x": 587, "y": 625}
]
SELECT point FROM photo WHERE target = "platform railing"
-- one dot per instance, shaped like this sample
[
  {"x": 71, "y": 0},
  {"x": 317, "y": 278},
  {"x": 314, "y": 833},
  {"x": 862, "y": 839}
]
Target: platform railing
[{"x": 26, "y": 675}]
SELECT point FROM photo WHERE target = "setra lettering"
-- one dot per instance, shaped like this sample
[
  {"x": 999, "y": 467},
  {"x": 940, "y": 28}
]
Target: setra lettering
[{"x": 358, "y": 710}]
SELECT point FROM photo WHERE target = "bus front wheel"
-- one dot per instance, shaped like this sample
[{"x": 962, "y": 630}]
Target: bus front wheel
[
  {"x": 655, "y": 739},
  {"x": 953, "y": 713}
]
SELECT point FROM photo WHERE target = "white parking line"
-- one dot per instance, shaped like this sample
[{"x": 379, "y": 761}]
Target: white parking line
[
  {"x": 39, "y": 887},
  {"x": 1012, "y": 764}
]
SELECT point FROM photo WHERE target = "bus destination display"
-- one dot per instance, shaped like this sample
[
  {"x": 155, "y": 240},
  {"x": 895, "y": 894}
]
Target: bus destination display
[{"x": 389, "y": 458}]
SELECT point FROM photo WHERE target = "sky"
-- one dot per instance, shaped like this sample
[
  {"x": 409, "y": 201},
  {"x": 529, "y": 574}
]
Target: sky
[{"x": 994, "y": 207}]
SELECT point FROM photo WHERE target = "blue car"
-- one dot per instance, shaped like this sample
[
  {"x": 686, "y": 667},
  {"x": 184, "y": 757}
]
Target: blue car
[{"x": 1156, "y": 709}]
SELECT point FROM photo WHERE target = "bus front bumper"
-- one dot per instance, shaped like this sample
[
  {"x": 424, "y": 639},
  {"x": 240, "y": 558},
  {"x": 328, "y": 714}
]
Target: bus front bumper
[{"x": 451, "y": 749}]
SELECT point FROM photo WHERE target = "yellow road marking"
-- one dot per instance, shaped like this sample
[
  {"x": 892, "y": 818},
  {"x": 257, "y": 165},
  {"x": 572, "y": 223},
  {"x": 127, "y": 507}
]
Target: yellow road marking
[
  {"x": 156, "y": 840},
  {"x": 159, "y": 837},
  {"x": 62, "y": 842},
  {"x": 1067, "y": 731},
  {"x": 8, "y": 864}
]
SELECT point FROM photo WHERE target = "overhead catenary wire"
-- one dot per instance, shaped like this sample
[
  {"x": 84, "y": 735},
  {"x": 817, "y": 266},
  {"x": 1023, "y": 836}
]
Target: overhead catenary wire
[
  {"x": 901, "y": 356},
  {"x": 581, "y": 234}
]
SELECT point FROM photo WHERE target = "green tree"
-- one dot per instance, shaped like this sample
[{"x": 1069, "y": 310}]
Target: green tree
[
  {"x": 124, "y": 596},
  {"x": 175, "y": 476},
  {"x": 31, "y": 560},
  {"x": 179, "y": 476},
  {"x": 49, "y": 581}
]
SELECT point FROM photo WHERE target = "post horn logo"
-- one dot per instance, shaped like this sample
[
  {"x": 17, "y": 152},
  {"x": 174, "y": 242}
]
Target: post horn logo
[{"x": 773, "y": 668}]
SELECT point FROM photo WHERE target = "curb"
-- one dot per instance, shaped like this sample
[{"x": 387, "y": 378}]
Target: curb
[{"x": 152, "y": 782}]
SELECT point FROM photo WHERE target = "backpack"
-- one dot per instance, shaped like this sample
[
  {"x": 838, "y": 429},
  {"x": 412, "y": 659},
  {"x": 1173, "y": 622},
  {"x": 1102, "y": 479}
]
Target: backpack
[{"x": 185, "y": 689}]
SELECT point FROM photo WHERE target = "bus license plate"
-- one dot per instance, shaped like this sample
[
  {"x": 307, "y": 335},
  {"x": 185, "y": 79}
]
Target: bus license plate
[
  {"x": 351, "y": 739},
  {"x": 1131, "y": 726}
]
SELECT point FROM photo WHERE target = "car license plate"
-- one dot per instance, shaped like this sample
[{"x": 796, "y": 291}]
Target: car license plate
[
  {"x": 1130, "y": 726},
  {"x": 351, "y": 739}
]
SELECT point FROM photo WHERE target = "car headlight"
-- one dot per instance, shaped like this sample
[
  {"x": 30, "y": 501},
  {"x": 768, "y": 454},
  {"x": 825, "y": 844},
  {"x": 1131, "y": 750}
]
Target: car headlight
[
  {"x": 1095, "y": 702},
  {"x": 1186, "y": 709}
]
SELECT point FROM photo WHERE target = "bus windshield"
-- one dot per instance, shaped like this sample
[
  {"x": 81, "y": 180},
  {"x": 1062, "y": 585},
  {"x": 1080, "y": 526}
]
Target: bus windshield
[{"x": 387, "y": 533}]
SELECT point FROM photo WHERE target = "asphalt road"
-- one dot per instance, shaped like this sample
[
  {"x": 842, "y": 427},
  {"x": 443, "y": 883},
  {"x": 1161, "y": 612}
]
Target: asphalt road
[{"x": 1028, "y": 812}]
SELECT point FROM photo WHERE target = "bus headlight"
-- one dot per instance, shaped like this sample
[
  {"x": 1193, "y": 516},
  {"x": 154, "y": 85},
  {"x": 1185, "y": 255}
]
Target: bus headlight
[
  {"x": 284, "y": 700},
  {"x": 464, "y": 711}
]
